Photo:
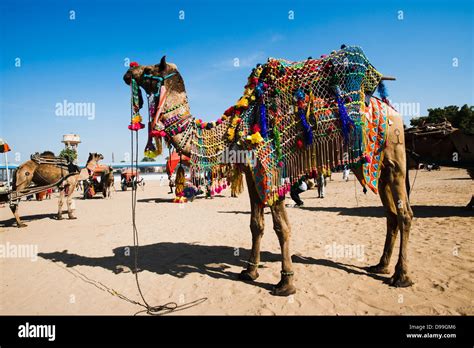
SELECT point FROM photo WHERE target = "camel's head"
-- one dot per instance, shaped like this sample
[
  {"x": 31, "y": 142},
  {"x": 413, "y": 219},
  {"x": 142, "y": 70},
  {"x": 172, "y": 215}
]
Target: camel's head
[
  {"x": 94, "y": 156},
  {"x": 150, "y": 76}
]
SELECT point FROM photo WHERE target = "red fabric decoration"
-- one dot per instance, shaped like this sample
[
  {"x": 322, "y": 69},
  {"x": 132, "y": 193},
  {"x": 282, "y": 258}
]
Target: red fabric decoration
[
  {"x": 133, "y": 64},
  {"x": 299, "y": 144},
  {"x": 255, "y": 128},
  {"x": 136, "y": 126},
  {"x": 229, "y": 111}
]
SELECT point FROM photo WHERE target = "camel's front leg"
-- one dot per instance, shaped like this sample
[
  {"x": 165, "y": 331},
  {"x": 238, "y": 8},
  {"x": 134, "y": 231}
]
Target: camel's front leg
[
  {"x": 60, "y": 203},
  {"x": 282, "y": 228},
  {"x": 404, "y": 218},
  {"x": 392, "y": 229},
  {"x": 391, "y": 213},
  {"x": 257, "y": 225}
]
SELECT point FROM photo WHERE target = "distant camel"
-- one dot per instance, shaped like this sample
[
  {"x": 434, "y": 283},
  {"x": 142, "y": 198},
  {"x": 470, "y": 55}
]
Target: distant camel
[
  {"x": 46, "y": 169},
  {"x": 107, "y": 179}
]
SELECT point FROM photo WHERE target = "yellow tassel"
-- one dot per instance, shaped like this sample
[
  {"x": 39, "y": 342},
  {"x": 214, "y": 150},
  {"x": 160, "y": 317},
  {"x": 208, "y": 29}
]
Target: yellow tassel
[
  {"x": 180, "y": 180},
  {"x": 236, "y": 182},
  {"x": 136, "y": 119},
  {"x": 243, "y": 103},
  {"x": 255, "y": 138},
  {"x": 159, "y": 146}
]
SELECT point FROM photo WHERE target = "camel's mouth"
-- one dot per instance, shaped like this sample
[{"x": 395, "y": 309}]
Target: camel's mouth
[{"x": 127, "y": 78}]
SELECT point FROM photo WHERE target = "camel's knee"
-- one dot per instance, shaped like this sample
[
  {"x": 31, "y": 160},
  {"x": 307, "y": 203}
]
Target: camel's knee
[
  {"x": 404, "y": 215},
  {"x": 283, "y": 234},
  {"x": 257, "y": 226}
]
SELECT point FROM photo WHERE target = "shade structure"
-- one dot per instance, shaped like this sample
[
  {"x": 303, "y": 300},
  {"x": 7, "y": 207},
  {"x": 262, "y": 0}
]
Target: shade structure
[{"x": 4, "y": 146}]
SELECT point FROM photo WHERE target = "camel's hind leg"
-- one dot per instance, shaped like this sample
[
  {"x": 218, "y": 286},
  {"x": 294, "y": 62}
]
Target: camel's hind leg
[
  {"x": 282, "y": 228},
  {"x": 257, "y": 225},
  {"x": 70, "y": 206},
  {"x": 23, "y": 178},
  {"x": 14, "y": 207},
  {"x": 60, "y": 203}
]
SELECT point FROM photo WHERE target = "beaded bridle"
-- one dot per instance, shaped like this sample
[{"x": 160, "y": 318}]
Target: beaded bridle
[{"x": 170, "y": 127}]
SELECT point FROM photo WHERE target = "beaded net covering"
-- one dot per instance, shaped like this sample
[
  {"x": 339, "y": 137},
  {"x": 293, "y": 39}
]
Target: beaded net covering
[{"x": 298, "y": 118}]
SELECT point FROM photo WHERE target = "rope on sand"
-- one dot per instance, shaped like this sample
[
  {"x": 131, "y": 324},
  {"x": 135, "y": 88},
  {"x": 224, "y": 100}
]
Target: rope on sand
[{"x": 159, "y": 309}]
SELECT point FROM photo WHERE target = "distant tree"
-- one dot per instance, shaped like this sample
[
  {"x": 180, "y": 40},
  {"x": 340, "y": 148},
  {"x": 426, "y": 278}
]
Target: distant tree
[
  {"x": 462, "y": 118},
  {"x": 69, "y": 154},
  {"x": 466, "y": 119}
]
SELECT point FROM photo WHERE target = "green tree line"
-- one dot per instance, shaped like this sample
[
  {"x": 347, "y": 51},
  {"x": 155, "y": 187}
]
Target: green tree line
[{"x": 459, "y": 117}]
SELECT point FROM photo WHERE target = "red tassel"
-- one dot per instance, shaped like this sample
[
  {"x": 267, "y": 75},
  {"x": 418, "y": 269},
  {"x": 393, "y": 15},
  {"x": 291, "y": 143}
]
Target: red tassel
[{"x": 255, "y": 128}]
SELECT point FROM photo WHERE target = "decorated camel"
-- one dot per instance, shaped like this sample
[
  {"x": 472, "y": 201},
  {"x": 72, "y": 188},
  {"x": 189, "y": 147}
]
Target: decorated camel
[
  {"x": 46, "y": 169},
  {"x": 294, "y": 118}
]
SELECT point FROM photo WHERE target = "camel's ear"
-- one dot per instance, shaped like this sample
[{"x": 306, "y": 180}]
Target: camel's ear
[{"x": 162, "y": 65}]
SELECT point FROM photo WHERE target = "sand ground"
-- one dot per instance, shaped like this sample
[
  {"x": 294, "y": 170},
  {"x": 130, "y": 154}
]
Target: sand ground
[{"x": 195, "y": 250}]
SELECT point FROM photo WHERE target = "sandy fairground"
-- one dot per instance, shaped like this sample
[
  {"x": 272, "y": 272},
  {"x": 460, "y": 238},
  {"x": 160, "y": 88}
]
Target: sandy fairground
[{"x": 196, "y": 250}]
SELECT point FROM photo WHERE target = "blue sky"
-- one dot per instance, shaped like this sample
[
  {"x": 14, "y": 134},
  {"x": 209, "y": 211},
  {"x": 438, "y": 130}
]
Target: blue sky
[{"x": 82, "y": 60}]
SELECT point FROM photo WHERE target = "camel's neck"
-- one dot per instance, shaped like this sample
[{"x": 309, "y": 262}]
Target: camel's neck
[
  {"x": 92, "y": 164},
  {"x": 176, "y": 107}
]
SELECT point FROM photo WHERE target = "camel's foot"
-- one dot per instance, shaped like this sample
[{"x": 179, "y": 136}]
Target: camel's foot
[
  {"x": 21, "y": 224},
  {"x": 379, "y": 269},
  {"x": 248, "y": 275},
  {"x": 71, "y": 216},
  {"x": 400, "y": 280},
  {"x": 285, "y": 287},
  {"x": 59, "y": 216}
]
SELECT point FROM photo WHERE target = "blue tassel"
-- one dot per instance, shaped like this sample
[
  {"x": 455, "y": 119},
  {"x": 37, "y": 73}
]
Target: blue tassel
[
  {"x": 346, "y": 121},
  {"x": 308, "y": 134},
  {"x": 382, "y": 90},
  {"x": 259, "y": 90},
  {"x": 263, "y": 121}
]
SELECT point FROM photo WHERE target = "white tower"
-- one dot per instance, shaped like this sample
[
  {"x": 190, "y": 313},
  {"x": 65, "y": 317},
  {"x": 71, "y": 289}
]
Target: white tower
[{"x": 71, "y": 141}]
